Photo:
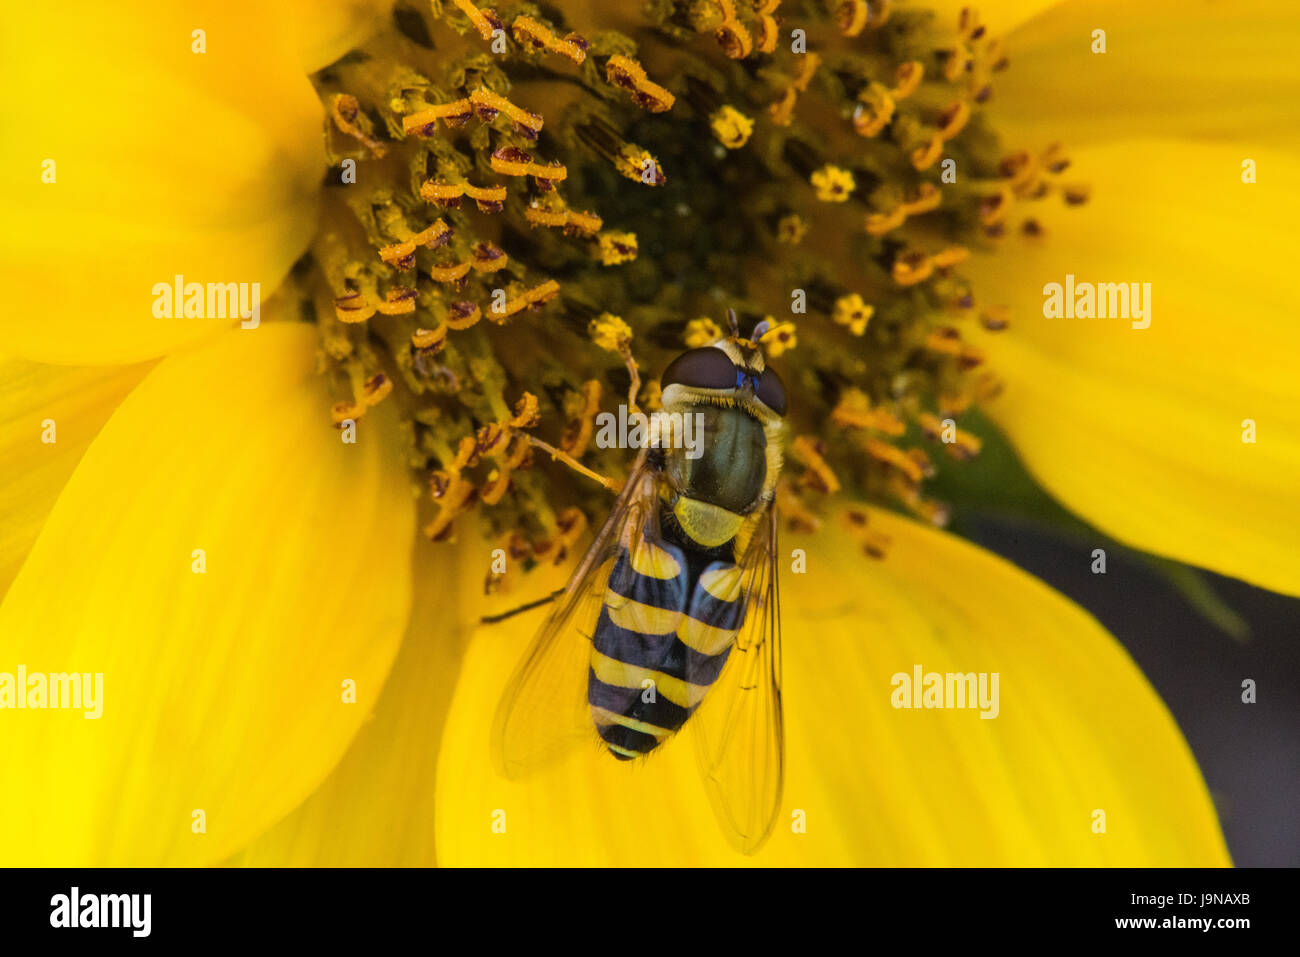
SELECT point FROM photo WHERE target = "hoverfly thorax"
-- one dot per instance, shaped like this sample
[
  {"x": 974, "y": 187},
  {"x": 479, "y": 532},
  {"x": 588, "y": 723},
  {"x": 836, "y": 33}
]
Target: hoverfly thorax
[{"x": 736, "y": 404}]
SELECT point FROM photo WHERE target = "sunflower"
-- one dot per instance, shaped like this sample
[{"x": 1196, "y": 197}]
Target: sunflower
[{"x": 474, "y": 228}]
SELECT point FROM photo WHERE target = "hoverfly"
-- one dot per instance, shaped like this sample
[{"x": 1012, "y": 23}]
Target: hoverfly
[{"x": 674, "y": 611}]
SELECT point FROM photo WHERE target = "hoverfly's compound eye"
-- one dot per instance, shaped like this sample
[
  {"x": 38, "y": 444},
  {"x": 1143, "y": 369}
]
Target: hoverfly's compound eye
[
  {"x": 705, "y": 368},
  {"x": 770, "y": 390}
]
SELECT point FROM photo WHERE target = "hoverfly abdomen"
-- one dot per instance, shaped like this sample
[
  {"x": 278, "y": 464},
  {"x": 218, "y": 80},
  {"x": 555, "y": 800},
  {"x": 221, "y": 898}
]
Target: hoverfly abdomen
[{"x": 661, "y": 640}]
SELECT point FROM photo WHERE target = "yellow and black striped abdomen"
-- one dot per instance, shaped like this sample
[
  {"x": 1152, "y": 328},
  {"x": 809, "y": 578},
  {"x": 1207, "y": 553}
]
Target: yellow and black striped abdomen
[{"x": 668, "y": 624}]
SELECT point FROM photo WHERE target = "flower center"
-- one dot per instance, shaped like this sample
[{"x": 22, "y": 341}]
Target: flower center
[{"x": 527, "y": 218}]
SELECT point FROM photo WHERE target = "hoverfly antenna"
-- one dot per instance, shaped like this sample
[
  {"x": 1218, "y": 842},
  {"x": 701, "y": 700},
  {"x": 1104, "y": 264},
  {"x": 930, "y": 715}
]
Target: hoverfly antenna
[
  {"x": 734, "y": 323},
  {"x": 760, "y": 330}
]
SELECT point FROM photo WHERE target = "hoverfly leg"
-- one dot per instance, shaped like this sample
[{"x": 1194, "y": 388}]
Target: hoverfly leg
[{"x": 493, "y": 619}]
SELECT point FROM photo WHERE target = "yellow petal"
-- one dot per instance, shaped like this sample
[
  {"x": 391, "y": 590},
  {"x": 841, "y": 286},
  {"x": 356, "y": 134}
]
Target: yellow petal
[
  {"x": 326, "y": 31},
  {"x": 166, "y": 162},
  {"x": 1078, "y": 730},
  {"x": 222, "y": 691},
  {"x": 1171, "y": 67},
  {"x": 1140, "y": 430},
  {"x": 376, "y": 809},
  {"x": 48, "y": 415}
]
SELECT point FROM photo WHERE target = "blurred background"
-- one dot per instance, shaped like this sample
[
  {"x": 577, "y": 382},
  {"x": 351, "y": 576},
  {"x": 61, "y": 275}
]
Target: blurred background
[{"x": 1195, "y": 635}]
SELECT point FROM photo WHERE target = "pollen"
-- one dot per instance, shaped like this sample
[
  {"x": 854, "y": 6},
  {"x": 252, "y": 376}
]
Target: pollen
[
  {"x": 731, "y": 128},
  {"x": 852, "y": 312},
  {"x": 780, "y": 338},
  {"x": 617, "y": 248},
  {"x": 610, "y": 332},
  {"x": 702, "y": 332},
  {"x": 833, "y": 184},
  {"x": 791, "y": 229}
]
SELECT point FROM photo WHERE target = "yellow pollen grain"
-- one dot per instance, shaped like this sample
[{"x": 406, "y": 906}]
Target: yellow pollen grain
[
  {"x": 833, "y": 184},
  {"x": 610, "y": 332},
  {"x": 853, "y": 312},
  {"x": 617, "y": 248},
  {"x": 780, "y": 338},
  {"x": 791, "y": 229},
  {"x": 702, "y": 332},
  {"x": 731, "y": 127}
]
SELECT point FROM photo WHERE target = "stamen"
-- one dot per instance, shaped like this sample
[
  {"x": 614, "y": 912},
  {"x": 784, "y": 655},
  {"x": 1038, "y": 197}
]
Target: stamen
[
  {"x": 928, "y": 198},
  {"x": 512, "y": 161},
  {"x": 462, "y": 315},
  {"x": 453, "y": 114},
  {"x": 855, "y": 411},
  {"x": 571, "y": 221},
  {"x": 954, "y": 120},
  {"x": 581, "y": 425},
  {"x": 488, "y": 104},
  {"x": 923, "y": 157},
  {"x": 402, "y": 255},
  {"x": 347, "y": 116},
  {"x": 530, "y": 32},
  {"x": 529, "y": 299},
  {"x": 906, "y": 79},
  {"x": 430, "y": 338},
  {"x": 912, "y": 267},
  {"x": 484, "y": 21},
  {"x": 809, "y": 451},
  {"x": 958, "y": 444},
  {"x": 626, "y": 73},
  {"x": 782, "y": 111},
  {"x": 874, "y": 111}
]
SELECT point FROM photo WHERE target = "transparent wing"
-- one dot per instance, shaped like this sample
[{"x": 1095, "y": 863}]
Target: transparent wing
[
  {"x": 738, "y": 728},
  {"x": 543, "y": 711}
]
